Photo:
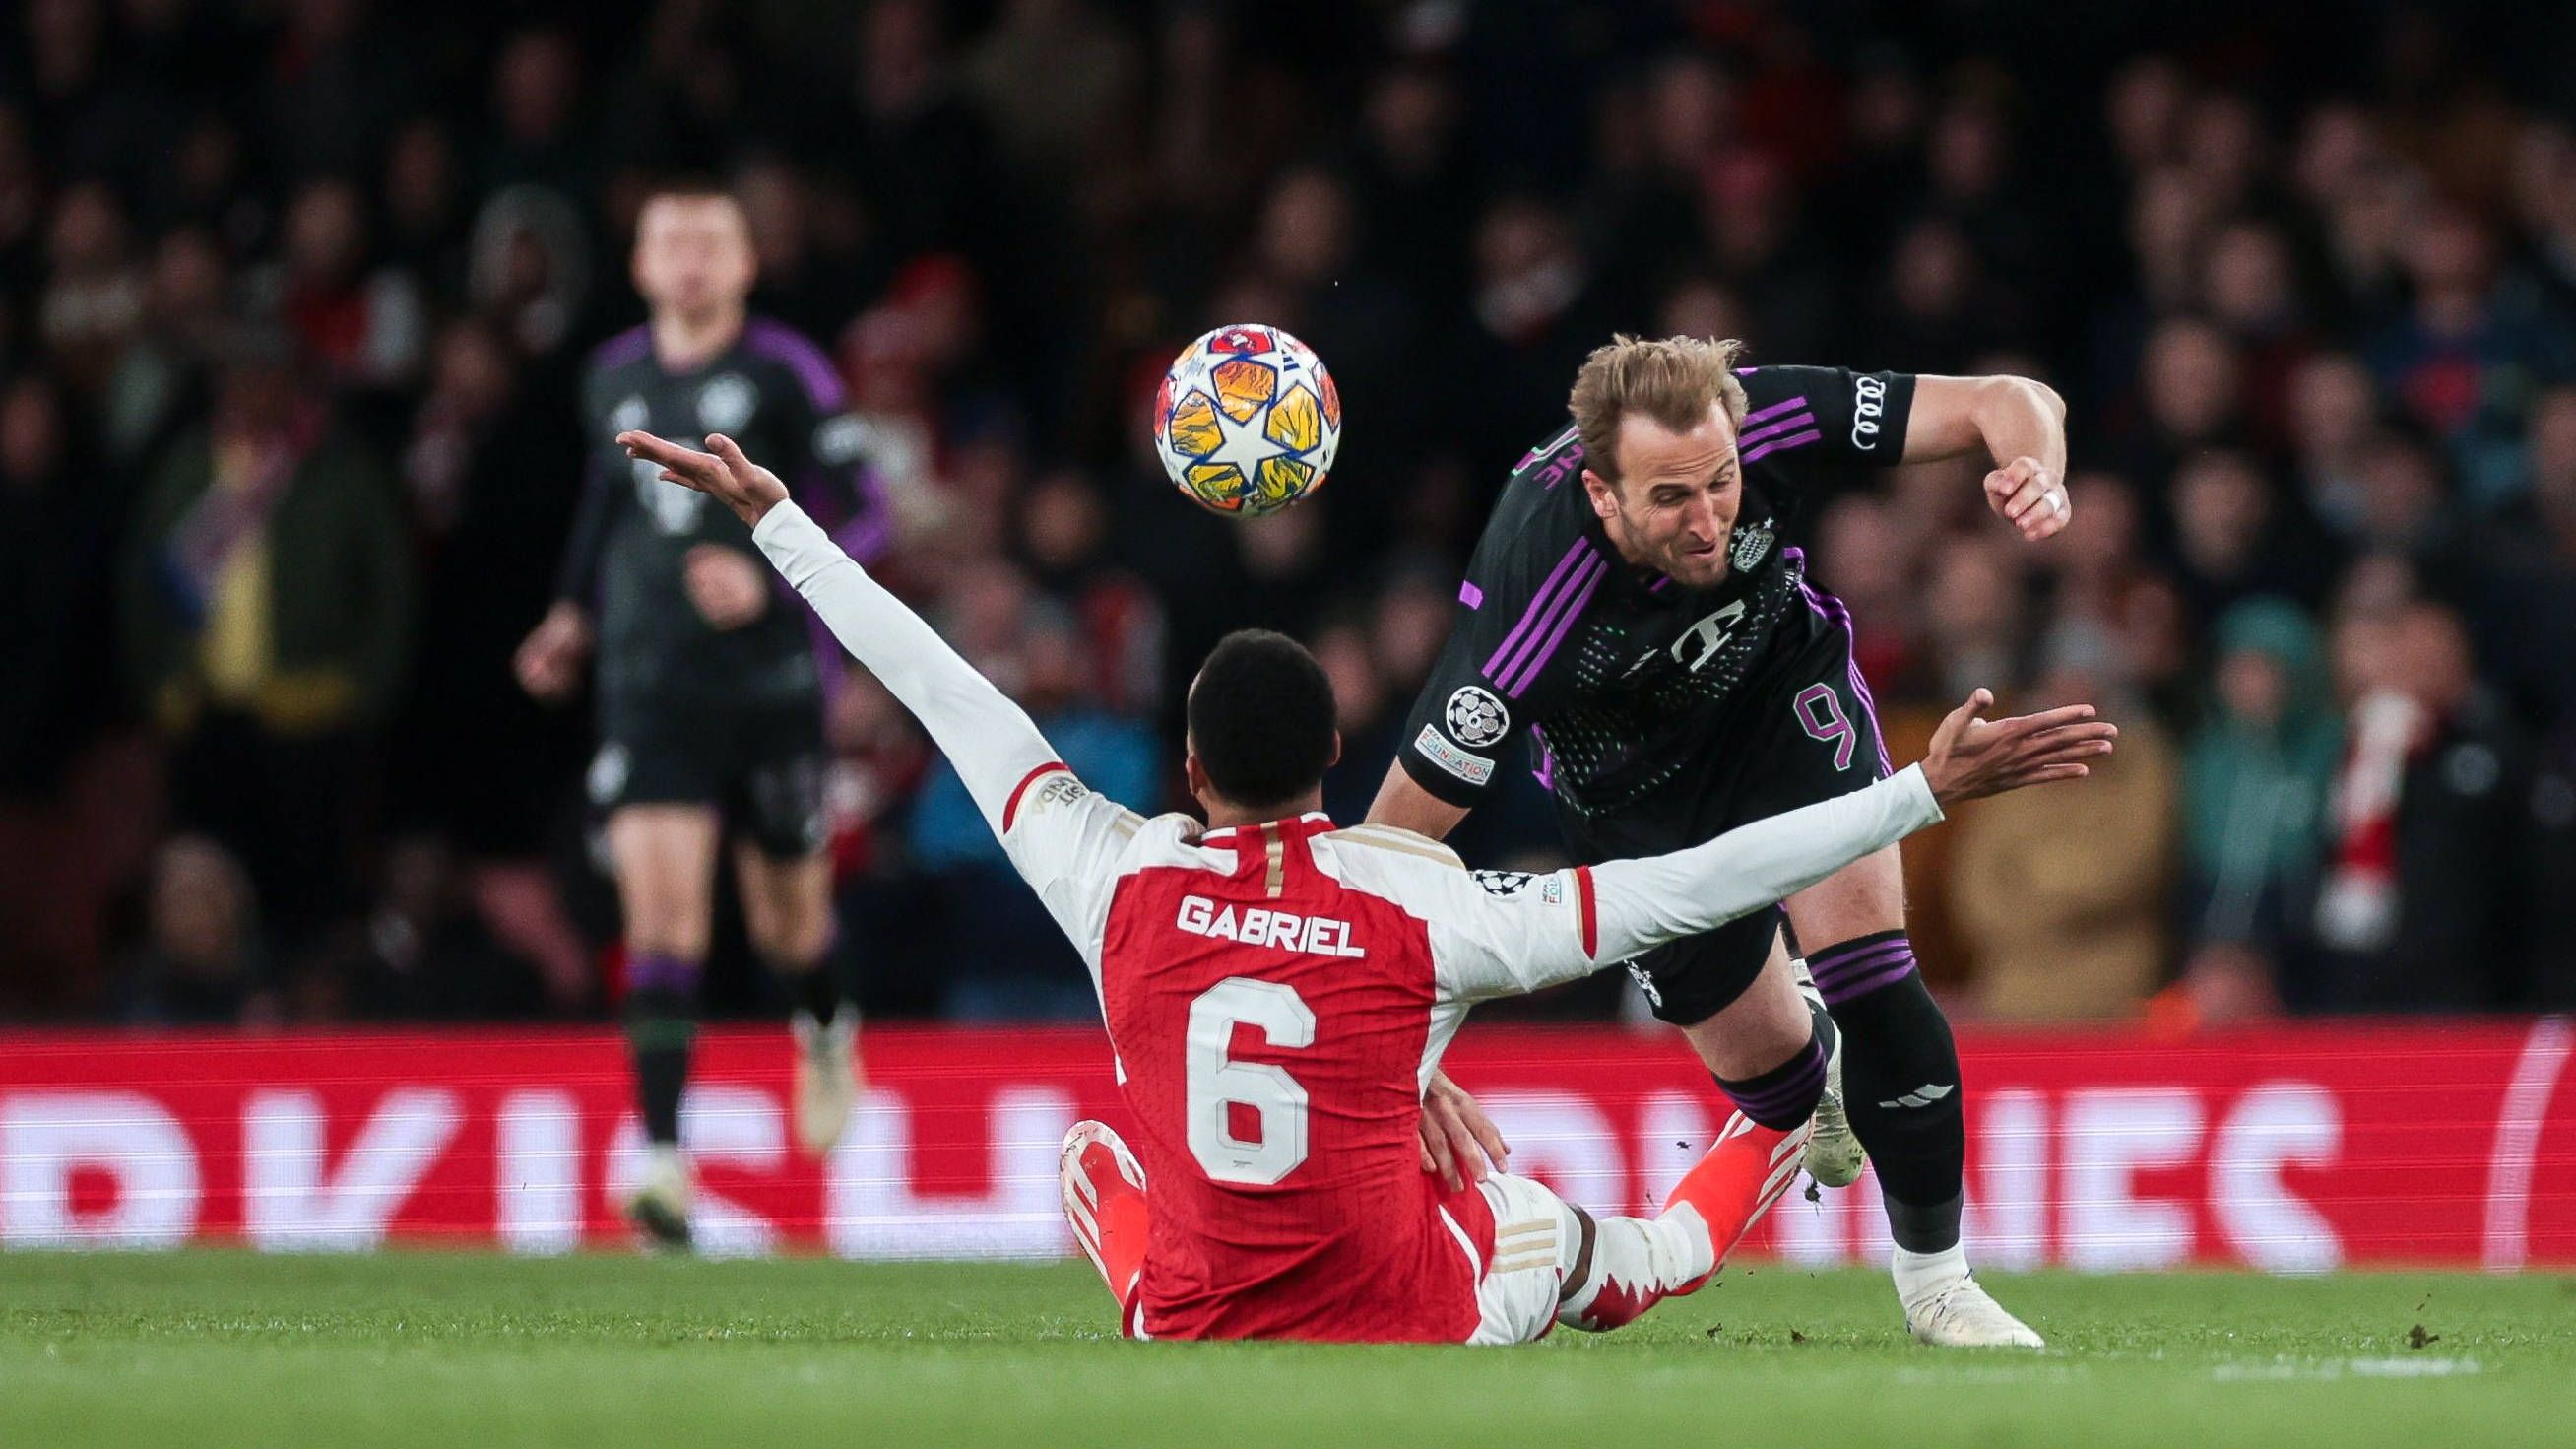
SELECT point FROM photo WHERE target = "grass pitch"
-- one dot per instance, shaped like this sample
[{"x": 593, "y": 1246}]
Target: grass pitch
[{"x": 461, "y": 1351}]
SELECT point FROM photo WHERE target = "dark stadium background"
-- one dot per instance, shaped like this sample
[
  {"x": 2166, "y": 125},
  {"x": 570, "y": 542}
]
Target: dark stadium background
[{"x": 2306, "y": 274}]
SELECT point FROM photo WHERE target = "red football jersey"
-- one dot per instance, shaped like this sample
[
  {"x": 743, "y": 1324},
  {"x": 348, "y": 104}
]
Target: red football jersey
[{"x": 1272, "y": 1024}]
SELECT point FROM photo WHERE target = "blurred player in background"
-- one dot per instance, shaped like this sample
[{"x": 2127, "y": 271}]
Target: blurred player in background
[
  {"x": 710, "y": 694},
  {"x": 1632, "y": 610},
  {"x": 1277, "y": 991}
]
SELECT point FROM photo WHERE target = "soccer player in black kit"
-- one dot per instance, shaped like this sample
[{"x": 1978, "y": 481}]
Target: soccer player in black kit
[
  {"x": 1632, "y": 611},
  {"x": 709, "y": 692}
]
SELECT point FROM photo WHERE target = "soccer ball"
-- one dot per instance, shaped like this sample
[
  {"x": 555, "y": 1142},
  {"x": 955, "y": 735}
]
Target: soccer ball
[{"x": 1247, "y": 420}]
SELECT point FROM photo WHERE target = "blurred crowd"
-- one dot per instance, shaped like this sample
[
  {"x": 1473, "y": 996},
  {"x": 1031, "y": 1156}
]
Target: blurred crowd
[{"x": 316, "y": 277}]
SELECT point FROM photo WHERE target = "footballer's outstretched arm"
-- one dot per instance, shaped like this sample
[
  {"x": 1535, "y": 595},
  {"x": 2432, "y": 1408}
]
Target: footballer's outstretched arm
[
  {"x": 1497, "y": 945},
  {"x": 999, "y": 754}
]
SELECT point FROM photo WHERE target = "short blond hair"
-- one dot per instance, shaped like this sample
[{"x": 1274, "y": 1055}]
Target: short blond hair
[{"x": 1672, "y": 380}]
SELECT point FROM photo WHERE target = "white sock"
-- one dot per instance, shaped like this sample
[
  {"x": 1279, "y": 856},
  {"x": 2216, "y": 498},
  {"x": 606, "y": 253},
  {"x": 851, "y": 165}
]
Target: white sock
[
  {"x": 1916, "y": 1272},
  {"x": 1639, "y": 1261}
]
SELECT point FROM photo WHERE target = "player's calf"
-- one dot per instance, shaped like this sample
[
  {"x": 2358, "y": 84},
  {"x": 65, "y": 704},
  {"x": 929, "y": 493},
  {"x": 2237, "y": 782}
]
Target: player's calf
[{"x": 1900, "y": 1083}]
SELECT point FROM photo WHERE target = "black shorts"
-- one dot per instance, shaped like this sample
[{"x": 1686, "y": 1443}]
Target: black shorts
[
  {"x": 761, "y": 766},
  {"x": 1801, "y": 729}
]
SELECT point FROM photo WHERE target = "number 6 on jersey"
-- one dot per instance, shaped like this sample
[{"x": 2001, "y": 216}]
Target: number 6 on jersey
[{"x": 1216, "y": 1084}]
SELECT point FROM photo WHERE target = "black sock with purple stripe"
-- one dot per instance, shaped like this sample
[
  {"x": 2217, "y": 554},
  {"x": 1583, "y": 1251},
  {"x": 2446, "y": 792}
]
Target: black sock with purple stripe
[
  {"x": 1786, "y": 1095},
  {"x": 661, "y": 1025},
  {"x": 1900, "y": 1083}
]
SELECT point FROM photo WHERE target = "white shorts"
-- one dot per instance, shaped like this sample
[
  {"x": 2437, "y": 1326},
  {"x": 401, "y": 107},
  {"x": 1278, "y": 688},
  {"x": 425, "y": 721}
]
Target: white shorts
[{"x": 1536, "y": 1239}]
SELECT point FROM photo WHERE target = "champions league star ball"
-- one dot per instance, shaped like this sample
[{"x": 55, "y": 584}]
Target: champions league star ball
[{"x": 1247, "y": 420}]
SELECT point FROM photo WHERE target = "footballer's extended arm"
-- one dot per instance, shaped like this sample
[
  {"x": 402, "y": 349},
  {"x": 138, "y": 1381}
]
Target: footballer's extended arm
[{"x": 1622, "y": 908}]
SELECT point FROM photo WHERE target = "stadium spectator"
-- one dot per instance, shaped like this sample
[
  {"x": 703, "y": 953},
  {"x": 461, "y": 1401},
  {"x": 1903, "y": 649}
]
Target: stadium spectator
[
  {"x": 2463, "y": 358},
  {"x": 2526, "y": 611},
  {"x": 2063, "y": 902},
  {"x": 483, "y": 476},
  {"x": 2333, "y": 412},
  {"x": 361, "y": 330},
  {"x": 2427, "y": 865},
  {"x": 160, "y": 380},
  {"x": 2235, "y": 538},
  {"x": 203, "y": 961},
  {"x": 2254, "y": 796},
  {"x": 265, "y": 606},
  {"x": 93, "y": 300}
]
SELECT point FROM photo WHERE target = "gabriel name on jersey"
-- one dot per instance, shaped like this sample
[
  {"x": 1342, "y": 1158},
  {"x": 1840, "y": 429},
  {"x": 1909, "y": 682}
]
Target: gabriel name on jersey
[{"x": 1621, "y": 676}]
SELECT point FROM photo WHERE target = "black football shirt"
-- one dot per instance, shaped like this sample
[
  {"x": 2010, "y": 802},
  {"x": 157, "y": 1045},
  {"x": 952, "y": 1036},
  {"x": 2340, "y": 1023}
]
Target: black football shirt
[
  {"x": 1623, "y": 673},
  {"x": 777, "y": 395}
]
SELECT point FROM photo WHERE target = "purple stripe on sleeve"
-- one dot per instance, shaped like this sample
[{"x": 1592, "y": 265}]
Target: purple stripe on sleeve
[
  {"x": 1796, "y": 440},
  {"x": 1556, "y": 606},
  {"x": 1772, "y": 430},
  {"x": 1773, "y": 411},
  {"x": 1564, "y": 623},
  {"x": 1538, "y": 604},
  {"x": 1470, "y": 595},
  {"x": 778, "y": 341},
  {"x": 1661, "y": 583}
]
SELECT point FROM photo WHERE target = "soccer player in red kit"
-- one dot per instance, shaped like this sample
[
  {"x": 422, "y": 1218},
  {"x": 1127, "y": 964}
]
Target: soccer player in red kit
[{"x": 1278, "y": 991}]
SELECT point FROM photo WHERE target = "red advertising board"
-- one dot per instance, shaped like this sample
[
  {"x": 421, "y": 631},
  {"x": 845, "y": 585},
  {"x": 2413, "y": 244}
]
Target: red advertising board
[{"x": 2293, "y": 1148}]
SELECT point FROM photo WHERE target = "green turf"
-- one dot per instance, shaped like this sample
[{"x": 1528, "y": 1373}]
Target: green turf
[{"x": 461, "y": 1352}]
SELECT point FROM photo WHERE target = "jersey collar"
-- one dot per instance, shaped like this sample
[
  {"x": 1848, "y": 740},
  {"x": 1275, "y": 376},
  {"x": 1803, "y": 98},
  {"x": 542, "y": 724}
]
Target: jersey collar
[{"x": 1313, "y": 822}]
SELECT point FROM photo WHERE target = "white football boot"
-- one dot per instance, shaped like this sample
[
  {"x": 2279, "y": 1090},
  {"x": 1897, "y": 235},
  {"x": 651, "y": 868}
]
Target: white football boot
[
  {"x": 1834, "y": 1155},
  {"x": 1947, "y": 1307},
  {"x": 827, "y": 1078},
  {"x": 659, "y": 1206}
]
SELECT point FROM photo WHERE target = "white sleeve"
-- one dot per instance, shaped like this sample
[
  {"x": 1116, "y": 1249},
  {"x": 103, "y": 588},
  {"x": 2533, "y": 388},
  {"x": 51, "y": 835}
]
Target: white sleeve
[
  {"x": 1545, "y": 930},
  {"x": 1063, "y": 839}
]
